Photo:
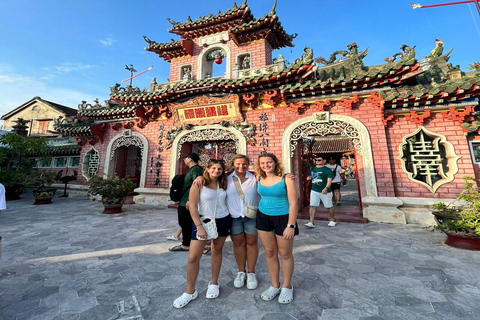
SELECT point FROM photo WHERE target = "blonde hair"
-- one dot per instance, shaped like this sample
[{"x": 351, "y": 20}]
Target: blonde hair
[
  {"x": 222, "y": 180},
  {"x": 236, "y": 157},
  {"x": 278, "y": 166}
]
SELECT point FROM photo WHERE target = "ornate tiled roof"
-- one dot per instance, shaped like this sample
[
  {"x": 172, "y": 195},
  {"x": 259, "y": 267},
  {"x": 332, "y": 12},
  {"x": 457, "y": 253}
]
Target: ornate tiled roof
[
  {"x": 268, "y": 27},
  {"x": 220, "y": 22},
  {"x": 108, "y": 112},
  {"x": 74, "y": 128},
  {"x": 171, "y": 92},
  {"x": 170, "y": 50},
  {"x": 350, "y": 74}
]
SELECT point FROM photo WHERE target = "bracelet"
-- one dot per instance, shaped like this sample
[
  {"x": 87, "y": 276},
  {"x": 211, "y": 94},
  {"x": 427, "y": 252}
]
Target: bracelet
[{"x": 198, "y": 225}]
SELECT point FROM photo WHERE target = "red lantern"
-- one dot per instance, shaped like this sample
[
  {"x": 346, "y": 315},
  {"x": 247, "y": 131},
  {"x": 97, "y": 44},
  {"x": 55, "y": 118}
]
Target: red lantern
[{"x": 218, "y": 60}]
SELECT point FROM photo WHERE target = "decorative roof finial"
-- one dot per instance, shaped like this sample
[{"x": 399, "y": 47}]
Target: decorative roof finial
[
  {"x": 189, "y": 19},
  {"x": 173, "y": 23},
  {"x": 235, "y": 7},
  {"x": 274, "y": 7}
]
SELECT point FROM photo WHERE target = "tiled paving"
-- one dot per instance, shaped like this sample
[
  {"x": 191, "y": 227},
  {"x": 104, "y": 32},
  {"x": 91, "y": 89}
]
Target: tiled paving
[{"x": 69, "y": 261}]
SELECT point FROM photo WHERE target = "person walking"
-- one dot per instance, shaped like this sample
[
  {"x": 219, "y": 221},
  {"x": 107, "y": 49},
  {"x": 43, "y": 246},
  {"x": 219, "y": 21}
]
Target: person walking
[
  {"x": 321, "y": 178},
  {"x": 242, "y": 192},
  {"x": 208, "y": 201},
  {"x": 339, "y": 178},
  {"x": 277, "y": 225},
  {"x": 184, "y": 217}
]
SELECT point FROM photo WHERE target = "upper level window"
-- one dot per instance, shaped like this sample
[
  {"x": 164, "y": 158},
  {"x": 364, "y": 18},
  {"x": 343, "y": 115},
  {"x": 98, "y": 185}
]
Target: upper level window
[
  {"x": 43, "y": 126},
  {"x": 214, "y": 64}
]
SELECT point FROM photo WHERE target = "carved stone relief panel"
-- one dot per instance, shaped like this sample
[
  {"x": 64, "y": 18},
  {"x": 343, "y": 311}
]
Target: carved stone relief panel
[{"x": 427, "y": 158}]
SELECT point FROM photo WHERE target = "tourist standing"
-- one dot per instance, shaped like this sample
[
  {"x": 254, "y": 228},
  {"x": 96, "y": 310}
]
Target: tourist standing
[
  {"x": 208, "y": 201},
  {"x": 242, "y": 192},
  {"x": 277, "y": 225},
  {"x": 184, "y": 217},
  {"x": 321, "y": 178},
  {"x": 339, "y": 178}
]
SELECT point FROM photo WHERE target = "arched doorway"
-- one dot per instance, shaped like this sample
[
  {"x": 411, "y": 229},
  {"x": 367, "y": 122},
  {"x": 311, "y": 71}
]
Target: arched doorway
[
  {"x": 127, "y": 156},
  {"x": 212, "y": 141},
  {"x": 302, "y": 135}
]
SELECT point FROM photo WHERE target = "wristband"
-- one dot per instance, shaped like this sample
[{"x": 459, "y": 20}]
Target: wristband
[{"x": 198, "y": 225}]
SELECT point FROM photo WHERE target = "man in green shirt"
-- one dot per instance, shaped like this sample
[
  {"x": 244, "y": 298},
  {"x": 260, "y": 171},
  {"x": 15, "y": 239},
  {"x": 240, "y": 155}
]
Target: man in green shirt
[
  {"x": 321, "y": 178},
  {"x": 184, "y": 218}
]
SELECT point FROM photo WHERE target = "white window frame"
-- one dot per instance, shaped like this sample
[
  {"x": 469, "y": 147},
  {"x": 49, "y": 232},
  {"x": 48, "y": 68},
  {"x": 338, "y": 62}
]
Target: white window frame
[
  {"x": 44, "y": 167},
  {"x": 472, "y": 150},
  {"x": 54, "y": 164},
  {"x": 70, "y": 160}
]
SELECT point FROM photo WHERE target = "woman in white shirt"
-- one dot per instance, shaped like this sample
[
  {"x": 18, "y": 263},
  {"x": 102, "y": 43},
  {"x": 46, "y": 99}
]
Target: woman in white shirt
[
  {"x": 202, "y": 203},
  {"x": 244, "y": 232}
]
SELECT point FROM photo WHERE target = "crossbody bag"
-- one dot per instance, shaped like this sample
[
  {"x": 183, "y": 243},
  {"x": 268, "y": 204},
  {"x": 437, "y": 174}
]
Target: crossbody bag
[
  {"x": 248, "y": 211},
  {"x": 209, "y": 224}
]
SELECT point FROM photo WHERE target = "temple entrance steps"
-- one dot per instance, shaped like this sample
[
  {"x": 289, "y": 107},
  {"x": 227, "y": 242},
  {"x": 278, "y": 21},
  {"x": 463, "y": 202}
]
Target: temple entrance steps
[{"x": 343, "y": 213}]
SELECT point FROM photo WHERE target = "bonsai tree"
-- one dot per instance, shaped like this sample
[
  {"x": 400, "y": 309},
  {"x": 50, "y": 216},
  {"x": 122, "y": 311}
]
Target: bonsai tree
[
  {"x": 40, "y": 180},
  {"x": 461, "y": 223},
  {"x": 113, "y": 191},
  {"x": 110, "y": 187},
  {"x": 15, "y": 167}
]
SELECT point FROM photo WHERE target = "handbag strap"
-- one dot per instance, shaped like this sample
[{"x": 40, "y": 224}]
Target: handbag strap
[
  {"x": 236, "y": 181},
  {"x": 216, "y": 201}
]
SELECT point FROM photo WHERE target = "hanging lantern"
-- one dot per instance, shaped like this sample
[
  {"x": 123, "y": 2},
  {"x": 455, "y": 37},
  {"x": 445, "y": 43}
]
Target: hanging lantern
[{"x": 218, "y": 60}]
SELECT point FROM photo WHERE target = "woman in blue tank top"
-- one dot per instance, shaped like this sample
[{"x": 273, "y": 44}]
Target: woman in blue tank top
[{"x": 277, "y": 224}]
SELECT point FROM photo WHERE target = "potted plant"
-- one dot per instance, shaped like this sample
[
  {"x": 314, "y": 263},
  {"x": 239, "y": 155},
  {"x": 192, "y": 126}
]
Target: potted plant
[
  {"x": 14, "y": 183},
  {"x": 112, "y": 189},
  {"x": 14, "y": 163},
  {"x": 40, "y": 183},
  {"x": 461, "y": 224}
]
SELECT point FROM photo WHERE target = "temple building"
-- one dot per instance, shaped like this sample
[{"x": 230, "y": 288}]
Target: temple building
[{"x": 409, "y": 125}]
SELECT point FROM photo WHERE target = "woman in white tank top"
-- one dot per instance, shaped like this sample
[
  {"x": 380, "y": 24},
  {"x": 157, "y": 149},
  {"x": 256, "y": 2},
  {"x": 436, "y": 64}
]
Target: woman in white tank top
[{"x": 202, "y": 203}]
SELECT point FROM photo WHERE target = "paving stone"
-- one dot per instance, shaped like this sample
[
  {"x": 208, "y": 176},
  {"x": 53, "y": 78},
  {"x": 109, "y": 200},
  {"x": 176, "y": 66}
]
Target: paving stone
[{"x": 84, "y": 264}]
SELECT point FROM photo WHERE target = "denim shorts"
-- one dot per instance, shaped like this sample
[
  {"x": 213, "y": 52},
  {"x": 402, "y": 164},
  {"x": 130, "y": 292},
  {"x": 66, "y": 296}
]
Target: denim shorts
[
  {"x": 241, "y": 225},
  {"x": 224, "y": 226}
]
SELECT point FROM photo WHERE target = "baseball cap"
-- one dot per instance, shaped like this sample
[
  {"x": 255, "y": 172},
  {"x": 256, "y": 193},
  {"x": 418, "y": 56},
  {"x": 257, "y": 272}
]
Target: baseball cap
[{"x": 192, "y": 156}]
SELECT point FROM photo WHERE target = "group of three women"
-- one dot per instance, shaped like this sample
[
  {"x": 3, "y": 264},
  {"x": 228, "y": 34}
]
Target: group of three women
[{"x": 275, "y": 224}]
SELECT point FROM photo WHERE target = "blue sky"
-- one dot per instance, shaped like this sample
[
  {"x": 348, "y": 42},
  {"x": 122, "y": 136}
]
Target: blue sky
[{"x": 67, "y": 51}]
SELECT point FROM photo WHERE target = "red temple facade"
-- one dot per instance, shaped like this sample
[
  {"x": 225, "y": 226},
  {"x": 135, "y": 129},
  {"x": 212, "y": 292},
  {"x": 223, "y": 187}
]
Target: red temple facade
[{"x": 409, "y": 125}]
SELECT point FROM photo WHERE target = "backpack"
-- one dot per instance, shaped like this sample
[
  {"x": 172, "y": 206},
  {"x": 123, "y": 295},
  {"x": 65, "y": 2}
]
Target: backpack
[{"x": 176, "y": 188}]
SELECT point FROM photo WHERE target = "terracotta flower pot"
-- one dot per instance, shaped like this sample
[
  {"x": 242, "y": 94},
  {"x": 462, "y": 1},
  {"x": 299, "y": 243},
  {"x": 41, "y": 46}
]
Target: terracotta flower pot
[
  {"x": 44, "y": 196},
  {"x": 113, "y": 205},
  {"x": 463, "y": 241}
]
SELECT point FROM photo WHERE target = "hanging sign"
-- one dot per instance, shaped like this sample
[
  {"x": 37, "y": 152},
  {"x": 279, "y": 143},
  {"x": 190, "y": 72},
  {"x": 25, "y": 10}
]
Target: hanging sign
[{"x": 205, "y": 110}]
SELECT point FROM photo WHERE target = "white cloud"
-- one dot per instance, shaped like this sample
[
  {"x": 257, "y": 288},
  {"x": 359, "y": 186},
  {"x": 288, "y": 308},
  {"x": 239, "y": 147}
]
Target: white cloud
[
  {"x": 67, "y": 67},
  {"x": 107, "y": 42}
]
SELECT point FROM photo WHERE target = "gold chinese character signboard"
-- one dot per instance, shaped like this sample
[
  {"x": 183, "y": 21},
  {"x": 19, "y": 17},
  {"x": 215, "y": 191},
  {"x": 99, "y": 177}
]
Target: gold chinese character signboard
[{"x": 205, "y": 110}]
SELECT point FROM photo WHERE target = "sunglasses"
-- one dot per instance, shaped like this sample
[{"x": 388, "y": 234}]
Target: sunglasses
[
  {"x": 318, "y": 159},
  {"x": 216, "y": 161}
]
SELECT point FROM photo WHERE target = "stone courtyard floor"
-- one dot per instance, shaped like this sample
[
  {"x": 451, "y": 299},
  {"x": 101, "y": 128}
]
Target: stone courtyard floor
[{"x": 69, "y": 261}]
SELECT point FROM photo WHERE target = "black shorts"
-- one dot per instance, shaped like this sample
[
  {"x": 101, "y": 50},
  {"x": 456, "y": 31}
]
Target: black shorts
[
  {"x": 224, "y": 227},
  {"x": 335, "y": 186},
  {"x": 273, "y": 223}
]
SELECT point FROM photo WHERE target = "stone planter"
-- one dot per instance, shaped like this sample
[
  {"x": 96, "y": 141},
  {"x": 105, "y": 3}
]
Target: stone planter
[
  {"x": 113, "y": 205},
  {"x": 44, "y": 196},
  {"x": 14, "y": 192}
]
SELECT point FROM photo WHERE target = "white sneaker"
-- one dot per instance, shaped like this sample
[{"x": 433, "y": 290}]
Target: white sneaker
[
  {"x": 239, "y": 280},
  {"x": 310, "y": 225},
  {"x": 252, "y": 282},
  {"x": 332, "y": 224}
]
